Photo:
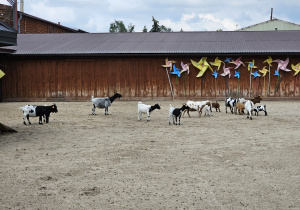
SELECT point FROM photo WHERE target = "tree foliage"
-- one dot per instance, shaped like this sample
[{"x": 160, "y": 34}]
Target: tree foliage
[
  {"x": 119, "y": 27},
  {"x": 145, "y": 29},
  {"x": 157, "y": 28}
]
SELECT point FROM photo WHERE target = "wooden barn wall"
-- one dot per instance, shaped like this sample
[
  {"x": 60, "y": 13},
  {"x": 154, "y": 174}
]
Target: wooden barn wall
[{"x": 78, "y": 78}]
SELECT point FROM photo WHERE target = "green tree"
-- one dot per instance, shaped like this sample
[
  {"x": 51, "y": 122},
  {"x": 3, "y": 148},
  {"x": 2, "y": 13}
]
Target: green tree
[
  {"x": 119, "y": 27},
  {"x": 157, "y": 28},
  {"x": 220, "y": 29},
  {"x": 145, "y": 29},
  {"x": 165, "y": 29}
]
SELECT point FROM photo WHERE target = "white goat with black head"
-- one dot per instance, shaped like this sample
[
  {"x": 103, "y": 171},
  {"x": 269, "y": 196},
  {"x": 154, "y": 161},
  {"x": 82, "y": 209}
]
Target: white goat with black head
[
  {"x": 146, "y": 109},
  {"x": 104, "y": 102}
]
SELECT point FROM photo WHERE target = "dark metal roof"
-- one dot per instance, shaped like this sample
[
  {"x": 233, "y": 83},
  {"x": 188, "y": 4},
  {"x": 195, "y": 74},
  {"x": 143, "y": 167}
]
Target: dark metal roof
[
  {"x": 226, "y": 42},
  {"x": 8, "y": 36}
]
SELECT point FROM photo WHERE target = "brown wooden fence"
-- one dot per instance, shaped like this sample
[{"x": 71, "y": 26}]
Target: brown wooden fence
[{"x": 78, "y": 78}]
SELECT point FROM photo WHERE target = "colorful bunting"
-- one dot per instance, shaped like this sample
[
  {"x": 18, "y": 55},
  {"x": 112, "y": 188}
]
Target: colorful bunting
[
  {"x": 217, "y": 63},
  {"x": 264, "y": 71},
  {"x": 251, "y": 65},
  {"x": 1, "y": 74},
  {"x": 175, "y": 71},
  {"x": 215, "y": 74},
  {"x": 269, "y": 61},
  {"x": 295, "y": 68},
  {"x": 282, "y": 64},
  {"x": 237, "y": 62},
  {"x": 185, "y": 67},
  {"x": 169, "y": 64},
  {"x": 226, "y": 71},
  {"x": 202, "y": 65},
  {"x": 227, "y": 60},
  {"x": 256, "y": 74},
  {"x": 237, "y": 74}
]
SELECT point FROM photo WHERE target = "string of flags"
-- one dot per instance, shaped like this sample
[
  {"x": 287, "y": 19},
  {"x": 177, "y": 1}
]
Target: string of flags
[{"x": 203, "y": 65}]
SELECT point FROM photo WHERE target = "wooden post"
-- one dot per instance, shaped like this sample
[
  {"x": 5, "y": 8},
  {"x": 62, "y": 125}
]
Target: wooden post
[
  {"x": 170, "y": 83},
  {"x": 250, "y": 82}
]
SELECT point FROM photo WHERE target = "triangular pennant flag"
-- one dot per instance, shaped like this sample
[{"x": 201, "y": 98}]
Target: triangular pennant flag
[{"x": 1, "y": 74}]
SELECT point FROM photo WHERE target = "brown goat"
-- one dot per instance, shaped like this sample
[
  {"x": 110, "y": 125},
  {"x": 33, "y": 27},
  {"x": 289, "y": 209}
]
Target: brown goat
[
  {"x": 256, "y": 99},
  {"x": 240, "y": 108},
  {"x": 216, "y": 106},
  {"x": 207, "y": 110}
]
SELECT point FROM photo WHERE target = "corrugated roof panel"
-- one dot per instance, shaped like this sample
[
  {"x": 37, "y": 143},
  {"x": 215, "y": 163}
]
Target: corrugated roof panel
[{"x": 176, "y": 42}]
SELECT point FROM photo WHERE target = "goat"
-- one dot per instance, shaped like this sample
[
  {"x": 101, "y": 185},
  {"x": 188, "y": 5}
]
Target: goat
[
  {"x": 104, "y": 102},
  {"x": 143, "y": 108},
  {"x": 240, "y": 108},
  {"x": 249, "y": 105},
  {"x": 38, "y": 111},
  {"x": 260, "y": 108},
  {"x": 216, "y": 105},
  {"x": 231, "y": 103},
  {"x": 206, "y": 108},
  {"x": 256, "y": 99},
  {"x": 176, "y": 112},
  {"x": 194, "y": 106}
]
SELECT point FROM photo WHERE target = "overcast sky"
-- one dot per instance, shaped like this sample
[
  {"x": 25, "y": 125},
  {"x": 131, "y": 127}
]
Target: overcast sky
[{"x": 188, "y": 15}]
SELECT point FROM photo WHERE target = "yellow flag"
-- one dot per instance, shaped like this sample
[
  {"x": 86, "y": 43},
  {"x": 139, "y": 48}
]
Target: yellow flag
[{"x": 1, "y": 74}]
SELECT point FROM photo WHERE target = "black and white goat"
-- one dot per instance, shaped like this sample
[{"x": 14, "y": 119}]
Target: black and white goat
[
  {"x": 260, "y": 109},
  {"x": 103, "y": 102},
  {"x": 38, "y": 111},
  {"x": 146, "y": 109},
  {"x": 231, "y": 103},
  {"x": 176, "y": 112}
]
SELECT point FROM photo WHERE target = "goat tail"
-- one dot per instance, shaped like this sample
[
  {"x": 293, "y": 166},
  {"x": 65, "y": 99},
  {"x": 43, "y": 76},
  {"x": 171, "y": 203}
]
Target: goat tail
[
  {"x": 170, "y": 105},
  {"x": 140, "y": 102},
  {"x": 92, "y": 98},
  {"x": 21, "y": 108}
]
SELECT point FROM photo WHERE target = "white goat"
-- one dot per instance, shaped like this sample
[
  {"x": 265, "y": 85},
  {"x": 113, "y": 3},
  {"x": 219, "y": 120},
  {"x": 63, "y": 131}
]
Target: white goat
[
  {"x": 195, "y": 106},
  {"x": 146, "y": 109},
  {"x": 249, "y": 106},
  {"x": 206, "y": 108}
]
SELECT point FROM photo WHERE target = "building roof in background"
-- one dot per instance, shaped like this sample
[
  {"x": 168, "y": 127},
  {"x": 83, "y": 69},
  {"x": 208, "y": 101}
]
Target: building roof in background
[
  {"x": 57, "y": 24},
  {"x": 271, "y": 25},
  {"x": 221, "y": 42},
  {"x": 8, "y": 36}
]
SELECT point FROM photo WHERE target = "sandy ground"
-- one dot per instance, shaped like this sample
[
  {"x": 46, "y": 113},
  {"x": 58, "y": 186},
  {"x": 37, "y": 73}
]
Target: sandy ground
[{"x": 82, "y": 161}]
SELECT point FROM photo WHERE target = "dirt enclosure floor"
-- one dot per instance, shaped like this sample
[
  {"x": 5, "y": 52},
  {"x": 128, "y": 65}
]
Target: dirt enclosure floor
[{"x": 85, "y": 161}]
